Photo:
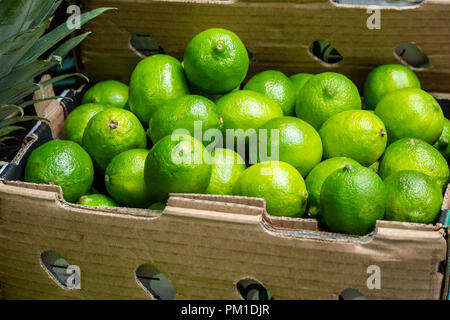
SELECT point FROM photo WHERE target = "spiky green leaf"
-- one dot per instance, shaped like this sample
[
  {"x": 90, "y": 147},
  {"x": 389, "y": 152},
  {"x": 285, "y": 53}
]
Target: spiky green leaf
[
  {"x": 15, "y": 47},
  {"x": 56, "y": 35},
  {"x": 20, "y": 15},
  {"x": 13, "y": 120},
  {"x": 7, "y": 130},
  {"x": 17, "y": 93},
  {"x": 5, "y": 111}
]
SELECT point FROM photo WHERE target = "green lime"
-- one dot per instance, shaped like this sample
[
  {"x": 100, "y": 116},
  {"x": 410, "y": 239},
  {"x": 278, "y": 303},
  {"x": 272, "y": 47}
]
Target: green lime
[
  {"x": 412, "y": 196},
  {"x": 158, "y": 206},
  {"x": 97, "y": 200},
  {"x": 156, "y": 80},
  {"x": 317, "y": 177},
  {"x": 325, "y": 95},
  {"x": 385, "y": 79},
  {"x": 211, "y": 96},
  {"x": 63, "y": 163},
  {"x": 442, "y": 144},
  {"x": 374, "y": 166},
  {"x": 216, "y": 61},
  {"x": 111, "y": 132},
  {"x": 356, "y": 134},
  {"x": 227, "y": 166},
  {"x": 411, "y": 113},
  {"x": 277, "y": 86},
  {"x": 278, "y": 183},
  {"x": 291, "y": 140},
  {"x": 242, "y": 113},
  {"x": 186, "y": 112},
  {"x": 414, "y": 154},
  {"x": 124, "y": 179},
  {"x": 177, "y": 164},
  {"x": 110, "y": 93},
  {"x": 299, "y": 80},
  {"x": 352, "y": 199},
  {"x": 78, "y": 119}
]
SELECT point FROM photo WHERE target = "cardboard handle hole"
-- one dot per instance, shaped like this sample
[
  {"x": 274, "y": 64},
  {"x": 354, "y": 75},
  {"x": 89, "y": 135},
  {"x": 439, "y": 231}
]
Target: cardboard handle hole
[
  {"x": 378, "y": 3},
  {"x": 62, "y": 272},
  {"x": 351, "y": 294},
  {"x": 324, "y": 52},
  {"x": 144, "y": 45},
  {"x": 251, "y": 289},
  {"x": 155, "y": 283},
  {"x": 411, "y": 55}
]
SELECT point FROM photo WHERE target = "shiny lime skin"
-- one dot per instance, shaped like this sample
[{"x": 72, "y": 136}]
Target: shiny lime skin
[
  {"x": 352, "y": 199},
  {"x": 110, "y": 93},
  {"x": 325, "y": 95},
  {"x": 315, "y": 179},
  {"x": 124, "y": 179},
  {"x": 63, "y": 163},
  {"x": 155, "y": 80},
  {"x": 385, "y": 79},
  {"x": 216, "y": 61},
  {"x": 97, "y": 200},
  {"x": 111, "y": 132},
  {"x": 242, "y": 113},
  {"x": 277, "y": 86},
  {"x": 297, "y": 142},
  {"x": 177, "y": 164},
  {"x": 299, "y": 80},
  {"x": 442, "y": 144},
  {"x": 278, "y": 183},
  {"x": 78, "y": 119},
  {"x": 182, "y": 113},
  {"x": 356, "y": 134},
  {"x": 227, "y": 166},
  {"x": 417, "y": 155},
  {"x": 411, "y": 113},
  {"x": 412, "y": 196}
]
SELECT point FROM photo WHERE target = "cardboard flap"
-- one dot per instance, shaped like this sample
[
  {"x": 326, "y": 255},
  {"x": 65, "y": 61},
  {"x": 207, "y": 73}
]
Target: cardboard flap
[
  {"x": 53, "y": 110},
  {"x": 277, "y": 33}
]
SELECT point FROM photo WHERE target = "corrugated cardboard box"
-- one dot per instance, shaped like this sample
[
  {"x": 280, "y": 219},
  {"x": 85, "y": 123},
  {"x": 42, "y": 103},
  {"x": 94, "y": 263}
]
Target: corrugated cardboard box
[
  {"x": 204, "y": 245},
  {"x": 278, "y": 33}
]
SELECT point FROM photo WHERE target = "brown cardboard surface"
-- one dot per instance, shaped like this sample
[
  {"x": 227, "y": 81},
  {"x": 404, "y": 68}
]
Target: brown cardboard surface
[
  {"x": 203, "y": 250},
  {"x": 278, "y": 33},
  {"x": 51, "y": 110}
]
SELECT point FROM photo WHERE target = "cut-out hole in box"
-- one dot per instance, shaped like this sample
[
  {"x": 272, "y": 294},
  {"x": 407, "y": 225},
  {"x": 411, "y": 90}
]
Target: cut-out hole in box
[
  {"x": 323, "y": 51},
  {"x": 351, "y": 294},
  {"x": 251, "y": 289},
  {"x": 61, "y": 271},
  {"x": 155, "y": 283},
  {"x": 411, "y": 55},
  {"x": 144, "y": 45}
]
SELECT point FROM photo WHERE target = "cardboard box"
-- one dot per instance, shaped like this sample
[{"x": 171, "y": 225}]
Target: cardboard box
[
  {"x": 203, "y": 244},
  {"x": 278, "y": 33}
]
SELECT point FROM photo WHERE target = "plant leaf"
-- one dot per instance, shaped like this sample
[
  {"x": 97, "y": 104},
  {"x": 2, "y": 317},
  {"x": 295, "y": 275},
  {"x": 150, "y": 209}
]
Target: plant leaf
[
  {"x": 15, "y": 94},
  {"x": 14, "y": 120},
  {"x": 56, "y": 35},
  {"x": 7, "y": 130},
  {"x": 20, "y": 15},
  {"x": 27, "y": 72},
  {"x": 16, "y": 46},
  {"x": 5, "y": 111},
  {"x": 48, "y": 11},
  {"x": 4, "y": 139},
  {"x": 31, "y": 102}
]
